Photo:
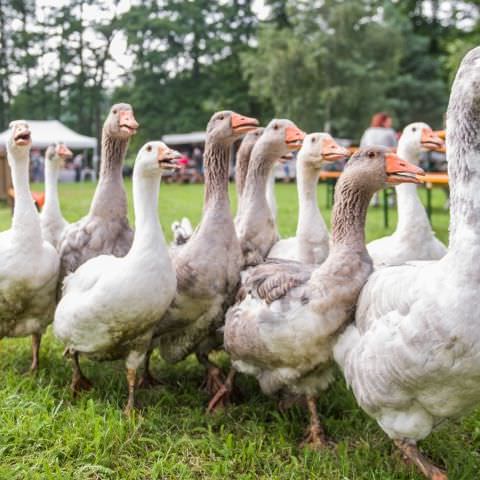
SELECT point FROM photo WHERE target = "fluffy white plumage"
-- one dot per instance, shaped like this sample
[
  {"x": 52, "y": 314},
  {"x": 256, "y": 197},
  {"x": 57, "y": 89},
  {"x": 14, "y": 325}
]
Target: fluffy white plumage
[
  {"x": 29, "y": 266},
  {"x": 413, "y": 238},
  {"x": 413, "y": 357},
  {"x": 110, "y": 304}
]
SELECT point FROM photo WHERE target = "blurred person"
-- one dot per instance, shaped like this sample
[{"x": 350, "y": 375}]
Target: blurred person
[
  {"x": 380, "y": 133},
  {"x": 77, "y": 166},
  {"x": 37, "y": 165},
  {"x": 197, "y": 157}
]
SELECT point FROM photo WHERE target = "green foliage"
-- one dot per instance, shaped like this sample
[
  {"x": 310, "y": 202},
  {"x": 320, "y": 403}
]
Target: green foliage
[{"x": 326, "y": 64}]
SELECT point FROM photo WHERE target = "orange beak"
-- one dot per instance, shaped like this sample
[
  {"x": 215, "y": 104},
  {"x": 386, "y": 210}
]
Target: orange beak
[
  {"x": 441, "y": 133},
  {"x": 294, "y": 137},
  {"x": 431, "y": 140},
  {"x": 401, "y": 171},
  {"x": 243, "y": 124},
  {"x": 22, "y": 136},
  {"x": 332, "y": 151},
  {"x": 64, "y": 151},
  {"x": 127, "y": 121},
  {"x": 168, "y": 158}
]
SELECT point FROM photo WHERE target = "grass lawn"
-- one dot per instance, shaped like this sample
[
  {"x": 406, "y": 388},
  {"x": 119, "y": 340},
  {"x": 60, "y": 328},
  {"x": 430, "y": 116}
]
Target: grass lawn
[{"x": 45, "y": 434}]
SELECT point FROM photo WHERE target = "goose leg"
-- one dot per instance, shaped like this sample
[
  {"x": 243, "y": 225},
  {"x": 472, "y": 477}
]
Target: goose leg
[
  {"x": 316, "y": 437},
  {"x": 214, "y": 379},
  {"x": 222, "y": 397},
  {"x": 36, "y": 340},
  {"x": 147, "y": 380},
  {"x": 412, "y": 453},
  {"x": 131, "y": 380},
  {"x": 79, "y": 380}
]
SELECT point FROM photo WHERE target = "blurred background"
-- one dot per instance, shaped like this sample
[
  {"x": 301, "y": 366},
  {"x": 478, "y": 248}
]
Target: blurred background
[{"x": 326, "y": 64}]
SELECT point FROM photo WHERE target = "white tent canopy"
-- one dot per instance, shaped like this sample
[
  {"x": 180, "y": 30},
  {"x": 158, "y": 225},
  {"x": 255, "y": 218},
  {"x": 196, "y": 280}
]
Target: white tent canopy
[
  {"x": 46, "y": 132},
  {"x": 184, "y": 138}
]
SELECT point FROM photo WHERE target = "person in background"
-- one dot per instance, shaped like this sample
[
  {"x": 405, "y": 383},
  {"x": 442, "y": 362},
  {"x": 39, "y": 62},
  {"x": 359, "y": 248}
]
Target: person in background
[
  {"x": 380, "y": 133},
  {"x": 77, "y": 166},
  {"x": 197, "y": 157},
  {"x": 36, "y": 166}
]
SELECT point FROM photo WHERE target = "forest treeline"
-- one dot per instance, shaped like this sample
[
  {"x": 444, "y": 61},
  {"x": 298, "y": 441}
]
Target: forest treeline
[{"x": 327, "y": 64}]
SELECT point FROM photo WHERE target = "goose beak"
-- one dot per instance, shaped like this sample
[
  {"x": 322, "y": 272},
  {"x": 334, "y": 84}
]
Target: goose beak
[
  {"x": 64, "y": 152},
  {"x": 432, "y": 141},
  {"x": 332, "y": 151},
  {"x": 168, "y": 159},
  {"x": 127, "y": 122},
  {"x": 242, "y": 124},
  {"x": 294, "y": 138},
  {"x": 401, "y": 171},
  {"x": 22, "y": 135}
]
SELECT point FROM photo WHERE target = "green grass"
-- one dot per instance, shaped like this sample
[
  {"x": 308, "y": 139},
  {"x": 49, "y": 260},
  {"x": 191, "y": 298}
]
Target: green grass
[{"x": 46, "y": 434}]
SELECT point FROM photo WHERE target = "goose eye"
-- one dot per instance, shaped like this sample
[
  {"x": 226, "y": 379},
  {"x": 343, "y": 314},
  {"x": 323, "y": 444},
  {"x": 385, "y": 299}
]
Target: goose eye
[
  {"x": 371, "y": 154},
  {"x": 149, "y": 148},
  {"x": 414, "y": 129},
  {"x": 275, "y": 127},
  {"x": 221, "y": 117},
  {"x": 313, "y": 139},
  {"x": 115, "y": 111}
]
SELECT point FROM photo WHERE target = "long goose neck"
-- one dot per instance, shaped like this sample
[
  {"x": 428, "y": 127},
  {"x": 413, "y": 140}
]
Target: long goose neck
[
  {"x": 216, "y": 165},
  {"x": 349, "y": 213},
  {"x": 270, "y": 193},
  {"x": 309, "y": 216},
  {"x": 25, "y": 222},
  {"x": 412, "y": 216},
  {"x": 52, "y": 204},
  {"x": 261, "y": 164},
  {"x": 110, "y": 198},
  {"x": 241, "y": 168},
  {"x": 148, "y": 231}
]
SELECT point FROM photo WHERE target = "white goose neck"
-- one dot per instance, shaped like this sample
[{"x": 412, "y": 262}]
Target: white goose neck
[
  {"x": 311, "y": 226},
  {"x": 412, "y": 217},
  {"x": 148, "y": 232},
  {"x": 52, "y": 205},
  {"x": 25, "y": 222}
]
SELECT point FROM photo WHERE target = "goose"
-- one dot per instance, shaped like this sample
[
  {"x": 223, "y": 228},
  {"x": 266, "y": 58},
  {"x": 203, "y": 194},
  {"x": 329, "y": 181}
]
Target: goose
[
  {"x": 310, "y": 245},
  {"x": 51, "y": 220},
  {"x": 110, "y": 304},
  {"x": 29, "y": 266},
  {"x": 255, "y": 225},
  {"x": 412, "y": 358},
  {"x": 283, "y": 327},
  {"x": 413, "y": 238},
  {"x": 182, "y": 230},
  {"x": 208, "y": 265},
  {"x": 105, "y": 229}
]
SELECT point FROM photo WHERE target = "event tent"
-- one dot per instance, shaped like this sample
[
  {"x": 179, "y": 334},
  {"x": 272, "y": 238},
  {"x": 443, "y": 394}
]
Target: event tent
[{"x": 46, "y": 132}]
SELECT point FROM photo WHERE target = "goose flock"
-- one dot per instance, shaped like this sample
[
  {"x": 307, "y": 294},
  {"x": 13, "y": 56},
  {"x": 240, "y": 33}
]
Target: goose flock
[{"x": 396, "y": 317}]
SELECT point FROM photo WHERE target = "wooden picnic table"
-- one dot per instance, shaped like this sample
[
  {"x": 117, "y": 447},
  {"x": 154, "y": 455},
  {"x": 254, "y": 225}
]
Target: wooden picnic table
[{"x": 430, "y": 180}]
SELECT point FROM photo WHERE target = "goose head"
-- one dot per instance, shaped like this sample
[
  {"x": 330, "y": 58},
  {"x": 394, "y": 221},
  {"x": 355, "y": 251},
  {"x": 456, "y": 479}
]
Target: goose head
[
  {"x": 376, "y": 167},
  {"x": 58, "y": 153},
  {"x": 20, "y": 139},
  {"x": 280, "y": 138},
  {"x": 321, "y": 147},
  {"x": 249, "y": 141},
  {"x": 120, "y": 122},
  {"x": 227, "y": 126},
  {"x": 155, "y": 158},
  {"x": 417, "y": 137}
]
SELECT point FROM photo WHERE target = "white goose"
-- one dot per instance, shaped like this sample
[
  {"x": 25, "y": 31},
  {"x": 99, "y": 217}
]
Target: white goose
[
  {"x": 110, "y": 304},
  {"x": 413, "y": 238},
  {"x": 310, "y": 245},
  {"x": 29, "y": 266},
  {"x": 51, "y": 219},
  {"x": 413, "y": 357}
]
